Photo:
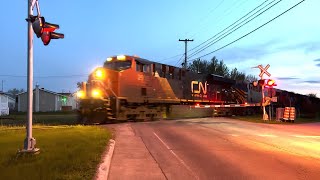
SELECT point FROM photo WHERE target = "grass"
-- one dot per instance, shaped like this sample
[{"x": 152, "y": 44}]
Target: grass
[
  {"x": 258, "y": 119},
  {"x": 66, "y": 152}
]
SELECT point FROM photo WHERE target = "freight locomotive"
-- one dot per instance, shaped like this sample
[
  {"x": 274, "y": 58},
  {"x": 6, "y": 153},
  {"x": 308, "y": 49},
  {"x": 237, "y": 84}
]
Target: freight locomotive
[{"x": 133, "y": 88}]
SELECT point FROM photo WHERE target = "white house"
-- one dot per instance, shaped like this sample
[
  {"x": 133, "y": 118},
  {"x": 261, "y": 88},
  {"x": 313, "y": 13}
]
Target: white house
[{"x": 4, "y": 104}]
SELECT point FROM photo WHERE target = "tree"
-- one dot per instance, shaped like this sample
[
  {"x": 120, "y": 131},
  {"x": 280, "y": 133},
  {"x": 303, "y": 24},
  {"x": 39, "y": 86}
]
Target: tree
[
  {"x": 312, "y": 95},
  {"x": 79, "y": 84},
  {"x": 218, "y": 67},
  {"x": 250, "y": 78},
  {"x": 215, "y": 66},
  {"x": 222, "y": 69},
  {"x": 236, "y": 75},
  {"x": 13, "y": 92},
  {"x": 199, "y": 66}
]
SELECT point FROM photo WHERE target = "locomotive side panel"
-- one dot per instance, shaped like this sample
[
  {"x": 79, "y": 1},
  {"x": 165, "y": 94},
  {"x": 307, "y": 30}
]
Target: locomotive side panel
[{"x": 140, "y": 87}]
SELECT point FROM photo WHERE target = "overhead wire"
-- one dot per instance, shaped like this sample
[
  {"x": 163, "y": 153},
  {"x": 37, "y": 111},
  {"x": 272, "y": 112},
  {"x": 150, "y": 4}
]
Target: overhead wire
[
  {"x": 208, "y": 14},
  {"x": 252, "y": 30},
  {"x": 212, "y": 10},
  {"x": 228, "y": 26},
  {"x": 214, "y": 39},
  {"x": 169, "y": 58},
  {"x": 180, "y": 60},
  {"x": 165, "y": 59},
  {"x": 225, "y": 15}
]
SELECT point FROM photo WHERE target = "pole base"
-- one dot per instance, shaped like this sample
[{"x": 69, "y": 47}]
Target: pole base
[{"x": 29, "y": 151}]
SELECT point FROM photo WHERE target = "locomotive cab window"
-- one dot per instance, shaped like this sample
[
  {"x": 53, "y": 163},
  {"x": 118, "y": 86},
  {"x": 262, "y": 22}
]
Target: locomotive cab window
[
  {"x": 171, "y": 72},
  {"x": 146, "y": 68},
  {"x": 118, "y": 65},
  {"x": 142, "y": 68},
  {"x": 139, "y": 67}
]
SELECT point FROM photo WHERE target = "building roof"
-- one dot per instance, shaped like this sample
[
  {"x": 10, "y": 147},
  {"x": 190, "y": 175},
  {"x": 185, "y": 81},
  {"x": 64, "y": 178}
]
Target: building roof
[
  {"x": 7, "y": 94},
  {"x": 66, "y": 94},
  {"x": 45, "y": 90}
]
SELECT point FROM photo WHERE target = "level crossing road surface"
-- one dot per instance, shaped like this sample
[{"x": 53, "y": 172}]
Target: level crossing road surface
[{"x": 215, "y": 148}]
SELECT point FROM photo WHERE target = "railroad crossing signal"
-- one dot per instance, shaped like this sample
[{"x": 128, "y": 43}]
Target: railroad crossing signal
[
  {"x": 271, "y": 83},
  {"x": 45, "y": 30},
  {"x": 265, "y": 82},
  {"x": 264, "y": 70},
  {"x": 262, "y": 83}
]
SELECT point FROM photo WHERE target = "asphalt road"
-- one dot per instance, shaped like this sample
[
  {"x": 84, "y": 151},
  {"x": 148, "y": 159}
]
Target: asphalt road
[{"x": 215, "y": 148}]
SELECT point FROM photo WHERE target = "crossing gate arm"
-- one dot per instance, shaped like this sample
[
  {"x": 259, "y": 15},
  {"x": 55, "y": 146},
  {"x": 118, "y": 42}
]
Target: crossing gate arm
[{"x": 224, "y": 106}]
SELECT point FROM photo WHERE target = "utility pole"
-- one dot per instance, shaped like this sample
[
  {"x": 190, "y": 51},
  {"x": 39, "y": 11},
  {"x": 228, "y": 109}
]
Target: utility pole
[{"x": 185, "y": 51}]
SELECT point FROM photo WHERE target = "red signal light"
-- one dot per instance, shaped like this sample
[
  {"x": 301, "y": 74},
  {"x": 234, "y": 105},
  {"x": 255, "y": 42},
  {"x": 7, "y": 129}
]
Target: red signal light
[
  {"x": 45, "y": 30},
  {"x": 45, "y": 37},
  {"x": 261, "y": 82},
  {"x": 271, "y": 83}
]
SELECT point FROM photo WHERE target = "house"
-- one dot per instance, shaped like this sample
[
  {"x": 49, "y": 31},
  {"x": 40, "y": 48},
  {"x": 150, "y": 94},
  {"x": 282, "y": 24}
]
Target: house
[
  {"x": 46, "y": 101},
  {"x": 7, "y": 104},
  {"x": 69, "y": 101}
]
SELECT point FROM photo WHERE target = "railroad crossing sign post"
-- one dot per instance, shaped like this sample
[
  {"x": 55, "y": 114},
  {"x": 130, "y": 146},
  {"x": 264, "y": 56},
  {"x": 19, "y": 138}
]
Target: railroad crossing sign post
[
  {"x": 29, "y": 142},
  {"x": 263, "y": 70}
]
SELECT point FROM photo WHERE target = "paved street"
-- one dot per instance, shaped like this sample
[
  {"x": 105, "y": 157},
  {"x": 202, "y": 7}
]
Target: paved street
[{"x": 215, "y": 148}]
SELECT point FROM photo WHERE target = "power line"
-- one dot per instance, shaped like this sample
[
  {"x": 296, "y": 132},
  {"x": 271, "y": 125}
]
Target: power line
[
  {"x": 224, "y": 16},
  {"x": 165, "y": 59},
  {"x": 252, "y": 30},
  {"x": 228, "y": 26},
  {"x": 235, "y": 26},
  {"x": 211, "y": 11},
  {"x": 180, "y": 60},
  {"x": 218, "y": 5}
]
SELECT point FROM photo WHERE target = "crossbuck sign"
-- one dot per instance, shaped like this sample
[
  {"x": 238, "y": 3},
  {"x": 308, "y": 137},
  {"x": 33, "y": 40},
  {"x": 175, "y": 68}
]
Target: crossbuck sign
[{"x": 264, "y": 70}]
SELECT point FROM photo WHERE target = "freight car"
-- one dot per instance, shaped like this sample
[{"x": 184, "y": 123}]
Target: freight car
[{"x": 133, "y": 88}]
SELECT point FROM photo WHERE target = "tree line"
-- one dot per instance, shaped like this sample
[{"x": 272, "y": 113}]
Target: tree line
[{"x": 218, "y": 67}]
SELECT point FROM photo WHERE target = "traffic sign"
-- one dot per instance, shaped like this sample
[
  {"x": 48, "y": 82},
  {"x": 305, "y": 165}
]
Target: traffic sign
[{"x": 264, "y": 70}]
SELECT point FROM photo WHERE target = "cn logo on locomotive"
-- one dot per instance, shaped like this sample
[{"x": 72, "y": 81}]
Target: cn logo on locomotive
[{"x": 198, "y": 87}]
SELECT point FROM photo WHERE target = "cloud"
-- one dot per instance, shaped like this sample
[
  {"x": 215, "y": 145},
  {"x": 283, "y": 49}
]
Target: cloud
[
  {"x": 258, "y": 51},
  {"x": 318, "y": 65},
  {"x": 308, "y": 47},
  {"x": 287, "y": 78},
  {"x": 317, "y": 60},
  {"x": 312, "y": 81},
  {"x": 236, "y": 54}
]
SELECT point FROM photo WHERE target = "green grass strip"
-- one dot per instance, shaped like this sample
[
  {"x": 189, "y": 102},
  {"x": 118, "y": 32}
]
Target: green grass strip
[{"x": 67, "y": 152}]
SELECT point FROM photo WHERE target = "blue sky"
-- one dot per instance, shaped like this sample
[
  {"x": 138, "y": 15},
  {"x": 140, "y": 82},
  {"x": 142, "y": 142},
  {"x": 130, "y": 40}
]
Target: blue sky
[{"x": 95, "y": 30}]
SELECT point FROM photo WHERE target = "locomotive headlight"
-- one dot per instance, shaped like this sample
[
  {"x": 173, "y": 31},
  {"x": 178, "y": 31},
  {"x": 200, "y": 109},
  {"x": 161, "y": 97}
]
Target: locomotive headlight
[
  {"x": 99, "y": 74},
  {"x": 96, "y": 93},
  {"x": 121, "y": 57},
  {"x": 80, "y": 94}
]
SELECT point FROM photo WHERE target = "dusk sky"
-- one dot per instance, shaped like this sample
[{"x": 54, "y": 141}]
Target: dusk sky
[{"x": 95, "y": 30}]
